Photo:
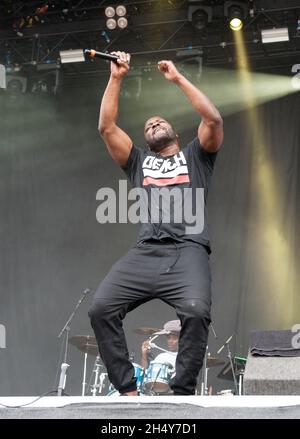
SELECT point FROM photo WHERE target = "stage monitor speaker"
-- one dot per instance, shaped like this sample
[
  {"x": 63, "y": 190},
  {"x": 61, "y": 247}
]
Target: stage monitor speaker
[{"x": 272, "y": 375}]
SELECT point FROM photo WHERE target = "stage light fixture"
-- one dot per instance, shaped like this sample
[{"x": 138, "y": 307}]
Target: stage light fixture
[
  {"x": 199, "y": 19},
  {"x": 236, "y": 13},
  {"x": 110, "y": 12},
  {"x": 236, "y": 18},
  {"x": 121, "y": 10},
  {"x": 111, "y": 24},
  {"x": 199, "y": 16},
  {"x": 275, "y": 35},
  {"x": 122, "y": 22},
  {"x": 119, "y": 19},
  {"x": 16, "y": 85}
]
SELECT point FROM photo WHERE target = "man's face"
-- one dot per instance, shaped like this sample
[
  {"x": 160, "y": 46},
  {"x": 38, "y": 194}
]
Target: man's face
[
  {"x": 158, "y": 133},
  {"x": 172, "y": 341}
]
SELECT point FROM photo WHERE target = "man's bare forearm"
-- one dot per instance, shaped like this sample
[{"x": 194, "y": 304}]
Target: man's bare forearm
[
  {"x": 199, "y": 100},
  {"x": 110, "y": 104}
]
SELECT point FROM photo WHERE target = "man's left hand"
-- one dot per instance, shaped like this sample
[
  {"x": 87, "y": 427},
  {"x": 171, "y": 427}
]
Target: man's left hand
[{"x": 168, "y": 69}]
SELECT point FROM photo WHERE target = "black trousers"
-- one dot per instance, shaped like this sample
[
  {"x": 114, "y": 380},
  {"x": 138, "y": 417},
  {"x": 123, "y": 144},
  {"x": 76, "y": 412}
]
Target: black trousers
[{"x": 176, "y": 273}]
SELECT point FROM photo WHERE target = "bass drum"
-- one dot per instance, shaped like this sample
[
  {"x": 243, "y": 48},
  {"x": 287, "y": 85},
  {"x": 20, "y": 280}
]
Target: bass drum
[{"x": 157, "y": 378}]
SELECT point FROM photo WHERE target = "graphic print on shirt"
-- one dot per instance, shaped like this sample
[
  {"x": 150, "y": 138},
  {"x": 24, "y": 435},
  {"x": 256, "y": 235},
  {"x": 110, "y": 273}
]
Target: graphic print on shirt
[{"x": 165, "y": 172}]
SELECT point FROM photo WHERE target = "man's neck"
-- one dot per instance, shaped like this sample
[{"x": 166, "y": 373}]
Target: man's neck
[{"x": 169, "y": 150}]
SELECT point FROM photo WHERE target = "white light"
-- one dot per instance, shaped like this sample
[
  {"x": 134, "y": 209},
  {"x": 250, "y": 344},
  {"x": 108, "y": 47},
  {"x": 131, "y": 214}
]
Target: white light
[
  {"x": 121, "y": 10},
  {"x": 236, "y": 24},
  {"x": 111, "y": 23},
  {"x": 2, "y": 76},
  {"x": 122, "y": 22},
  {"x": 275, "y": 35},
  {"x": 71, "y": 56},
  {"x": 110, "y": 11}
]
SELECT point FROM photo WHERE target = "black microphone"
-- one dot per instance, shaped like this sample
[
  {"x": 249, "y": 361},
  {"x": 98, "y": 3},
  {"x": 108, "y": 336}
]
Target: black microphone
[{"x": 94, "y": 54}]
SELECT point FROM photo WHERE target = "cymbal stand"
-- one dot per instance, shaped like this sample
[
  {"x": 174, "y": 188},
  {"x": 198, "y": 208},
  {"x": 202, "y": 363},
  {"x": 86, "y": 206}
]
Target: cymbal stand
[
  {"x": 84, "y": 374},
  {"x": 102, "y": 378},
  {"x": 227, "y": 344},
  {"x": 204, "y": 388},
  {"x": 232, "y": 368},
  {"x": 241, "y": 382},
  {"x": 96, "y": 371}
]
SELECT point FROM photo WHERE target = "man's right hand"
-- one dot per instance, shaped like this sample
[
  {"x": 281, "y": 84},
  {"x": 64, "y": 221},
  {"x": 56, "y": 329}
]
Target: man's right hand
[
  {"x": 121, "y": 67},
  {"x": 145, "y": 347}
]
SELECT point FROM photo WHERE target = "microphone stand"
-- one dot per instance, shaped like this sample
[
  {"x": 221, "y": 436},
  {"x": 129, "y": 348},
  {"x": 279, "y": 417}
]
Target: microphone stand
[
  {"x": 204, "y": 380},
  {"x": 66, "y": 330},
  {"x": 227, "y": 344}
]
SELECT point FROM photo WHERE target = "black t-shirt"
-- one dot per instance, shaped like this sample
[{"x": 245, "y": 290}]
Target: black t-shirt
[{"x": 189, "y": 169}]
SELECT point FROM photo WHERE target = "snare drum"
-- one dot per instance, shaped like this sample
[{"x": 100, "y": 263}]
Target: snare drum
[{"x": 157, "y": 377}]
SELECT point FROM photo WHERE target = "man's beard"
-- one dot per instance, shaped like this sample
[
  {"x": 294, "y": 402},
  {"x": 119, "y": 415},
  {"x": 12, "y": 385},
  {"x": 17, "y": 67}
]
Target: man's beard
[{"x": 158, "y": 143}]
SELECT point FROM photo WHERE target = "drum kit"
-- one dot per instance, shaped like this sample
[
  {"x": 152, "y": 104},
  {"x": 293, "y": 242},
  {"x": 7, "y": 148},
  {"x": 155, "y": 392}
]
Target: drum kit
[{"x": 153, "y": 380}]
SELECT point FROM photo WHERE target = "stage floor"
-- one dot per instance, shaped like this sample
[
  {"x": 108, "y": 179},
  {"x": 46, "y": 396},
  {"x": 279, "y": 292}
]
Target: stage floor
[{"x": 151, "y": 407}]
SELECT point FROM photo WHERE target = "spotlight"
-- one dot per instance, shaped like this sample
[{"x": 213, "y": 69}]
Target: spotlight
[
  {"x": 236, "y": 18},
  {"x": 111, "y": 24},
  {"x": 236, "y": 12},
  {"x": 122, "y": 22},
  {"x": 121, "y": 10},
  {"x": 119, "y": 17},
  {"x": 110, "y": 11},
  {"x": 200, "y": 16}
]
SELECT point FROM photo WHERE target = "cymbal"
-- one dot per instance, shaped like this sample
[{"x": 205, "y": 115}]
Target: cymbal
[
  {"x": 212, "y": 361},
  {"x": 146, "y": 331},
  {"x": 85, "y": 343}
]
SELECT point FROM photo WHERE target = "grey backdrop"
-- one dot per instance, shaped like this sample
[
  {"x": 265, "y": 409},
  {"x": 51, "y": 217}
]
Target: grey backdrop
[{"x": 52, "y": 248}]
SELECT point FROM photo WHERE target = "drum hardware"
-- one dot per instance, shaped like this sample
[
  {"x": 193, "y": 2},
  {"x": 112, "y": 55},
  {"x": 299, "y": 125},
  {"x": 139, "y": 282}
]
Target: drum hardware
[
  {"x": 96, "y": 370},
  {"x": 66, "y": 330},
  {"x": 208, "y": 362},
  {"x": 88, "y": 345},
  {"x": 239, "y": 370},
  {"x": 103, "y": 377},
  {"x": 237, "y": 388}
]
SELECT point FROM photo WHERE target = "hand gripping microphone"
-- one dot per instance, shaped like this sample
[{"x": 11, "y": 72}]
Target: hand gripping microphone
[{"x": 94, "y": 54}]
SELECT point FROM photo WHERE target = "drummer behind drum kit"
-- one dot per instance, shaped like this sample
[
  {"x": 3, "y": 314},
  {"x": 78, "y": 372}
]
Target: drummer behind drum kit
[{"x": 153, "y": 380}]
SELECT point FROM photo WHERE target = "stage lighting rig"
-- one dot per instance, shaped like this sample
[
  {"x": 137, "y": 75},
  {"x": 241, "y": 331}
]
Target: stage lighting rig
[
  {"x": 199, "y": 15},
  {"x": 236, "y": 13},
  {"x": 116, "y": 17}
]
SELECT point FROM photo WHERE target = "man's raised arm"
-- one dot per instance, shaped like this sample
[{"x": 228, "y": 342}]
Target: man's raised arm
[
  {"x": 210, "y": 131},
  {"x": 117, "y": 141}
]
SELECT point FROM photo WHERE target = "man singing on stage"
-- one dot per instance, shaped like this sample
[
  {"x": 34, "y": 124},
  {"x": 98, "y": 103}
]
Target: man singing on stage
[{"x": 170, "y": 261}]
